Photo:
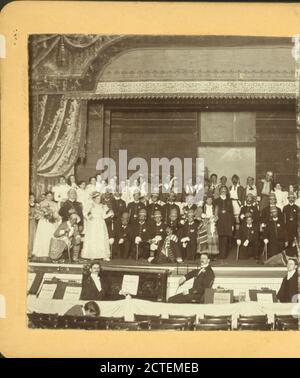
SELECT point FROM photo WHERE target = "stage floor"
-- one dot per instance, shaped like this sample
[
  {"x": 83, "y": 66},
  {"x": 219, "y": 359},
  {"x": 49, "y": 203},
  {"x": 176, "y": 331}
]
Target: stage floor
[{"x": 230, "y": 261}]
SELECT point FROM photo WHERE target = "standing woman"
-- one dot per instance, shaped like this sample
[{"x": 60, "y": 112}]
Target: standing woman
[
  {"x": 72, "y": 182},
  {"x": 96, "y": 240},
  {"x": 47, "y": 215}
]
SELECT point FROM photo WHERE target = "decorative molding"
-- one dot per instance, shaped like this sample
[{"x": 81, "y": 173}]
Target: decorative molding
[{"x": 197, "y": 87}]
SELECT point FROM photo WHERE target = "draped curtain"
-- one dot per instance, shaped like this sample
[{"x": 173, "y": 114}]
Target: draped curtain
[{"x": 58, "y": 136}]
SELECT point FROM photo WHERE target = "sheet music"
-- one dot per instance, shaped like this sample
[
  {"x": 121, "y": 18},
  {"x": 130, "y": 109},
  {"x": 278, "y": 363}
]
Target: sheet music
[
  {"x": 47, "y": 291},
  {"x": 186, "y": 286},
  {"x": 72, "y": 293},
  {"x": 130, "y": 284},
  {"x": 221, "y": 298},
  {"x": 265, "y": 297}
]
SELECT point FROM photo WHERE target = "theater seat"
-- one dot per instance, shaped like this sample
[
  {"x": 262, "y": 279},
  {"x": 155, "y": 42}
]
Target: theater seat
[
  {"x": 189, "y": 319},
  {"x": 224, "y": 317},
  {"x": 40, "y": 320},
  {"x": 128, "y": 326},
  {"x": 212, "y": 326},
  {"x": 175, "y": 326},
  {"x": 253, "y": 319},
  {"x": 254, "y": 326},
  {"x": 138, "y": 317},
  {"x": 286, "y": 323}
]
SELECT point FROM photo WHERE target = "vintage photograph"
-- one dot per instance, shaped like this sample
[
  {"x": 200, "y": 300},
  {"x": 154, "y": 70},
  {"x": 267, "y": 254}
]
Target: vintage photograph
[{"x": 164, "y": 182}]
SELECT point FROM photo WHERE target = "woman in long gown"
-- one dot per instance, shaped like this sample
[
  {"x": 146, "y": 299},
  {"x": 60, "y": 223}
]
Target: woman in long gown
[
  {"x": 48, "y": 221},
  {"x": 96, "y": 240}
]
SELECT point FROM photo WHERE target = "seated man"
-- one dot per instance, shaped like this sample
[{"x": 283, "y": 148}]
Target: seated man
[
  {"x": 289, "y": 285},
  {"x": 92, "y": 285},
  {"x": 203, "y": 279},
  {"x": 66, "y": 239},
  {"x": 164, "y": 248},
  {"x": 122, "y": 236},
  {"x": 274, "y": 234},
  {"x": 141, "y": 234},
  {"x": 248, "y": 238},
  {"x": 89, "y": 309}
]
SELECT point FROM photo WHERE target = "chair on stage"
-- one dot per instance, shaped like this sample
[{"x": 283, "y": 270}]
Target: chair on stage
[
  {"x": 40, "y": 320},
  {"x": 286, "y": 323},
  {"x": 189, "y": 319},
  {"x": 254, "y": 323}
]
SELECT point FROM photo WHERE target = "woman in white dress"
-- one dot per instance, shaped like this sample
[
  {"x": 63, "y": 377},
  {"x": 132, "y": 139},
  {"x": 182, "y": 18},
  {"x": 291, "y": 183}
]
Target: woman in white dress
[
  {"x": 96, "y": 240},
  {"x": 47, "y": 215}
]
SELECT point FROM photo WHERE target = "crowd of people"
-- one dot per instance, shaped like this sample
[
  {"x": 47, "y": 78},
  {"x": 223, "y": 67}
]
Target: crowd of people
[{"x": 162, "y": 222}]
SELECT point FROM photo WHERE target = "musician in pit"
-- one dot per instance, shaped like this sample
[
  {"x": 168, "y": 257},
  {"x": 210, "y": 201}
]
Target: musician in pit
[{"x": 203, "y": 279}]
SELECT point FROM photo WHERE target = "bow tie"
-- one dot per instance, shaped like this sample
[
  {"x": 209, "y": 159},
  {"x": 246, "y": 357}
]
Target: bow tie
[{"x": 251, "y": 188}]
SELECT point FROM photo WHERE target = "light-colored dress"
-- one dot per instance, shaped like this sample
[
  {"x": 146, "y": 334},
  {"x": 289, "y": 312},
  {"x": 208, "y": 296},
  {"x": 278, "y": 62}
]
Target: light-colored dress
[
  {"x": 96, "y": 241},
  {"x": 45, "y": 231}
]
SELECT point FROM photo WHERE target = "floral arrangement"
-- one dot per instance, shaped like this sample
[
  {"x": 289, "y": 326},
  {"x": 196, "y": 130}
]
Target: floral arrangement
[{"x": 45, "y": 212}]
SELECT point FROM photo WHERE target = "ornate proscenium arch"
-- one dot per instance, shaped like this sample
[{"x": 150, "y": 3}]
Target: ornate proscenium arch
[{"x": 108, "y": 52}]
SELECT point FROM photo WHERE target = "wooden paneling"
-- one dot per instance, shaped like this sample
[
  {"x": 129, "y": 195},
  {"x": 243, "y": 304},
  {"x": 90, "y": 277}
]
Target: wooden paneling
[
  {"x": 153, "y": 134},
  {"x": 276, "y": 146}
]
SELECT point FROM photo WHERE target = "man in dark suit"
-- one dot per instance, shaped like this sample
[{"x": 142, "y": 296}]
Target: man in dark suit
[
  {"x": 70, "y": 206},
  {"x": 289, "y": 285},
  {"x": 188, "y": 236},
  {"x": 274, "y": 234},
  {"x": 203, "y": 279},
  {"x": 135, "y": 206},
  {"x": 290, "y": 216},
  {"x": 169, "y": 206},
  {"x": 248, "y": 238},
  {"x": 118, "y": 205},
  {"x": 90, "y": 309},
  {"x": 92, "y": 285},
  {"x": 266, "y": 212},
  {"x": 225, "y": 221},
  {"x": 251, "y": 208},
  {"x": 154, "y": 205},
  {"x": 122, "y": 243},
  {"x": 141, "y": 233}
]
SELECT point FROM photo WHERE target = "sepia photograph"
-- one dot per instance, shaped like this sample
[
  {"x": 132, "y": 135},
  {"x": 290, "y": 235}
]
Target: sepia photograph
[{"x": 164, "y": 185}]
